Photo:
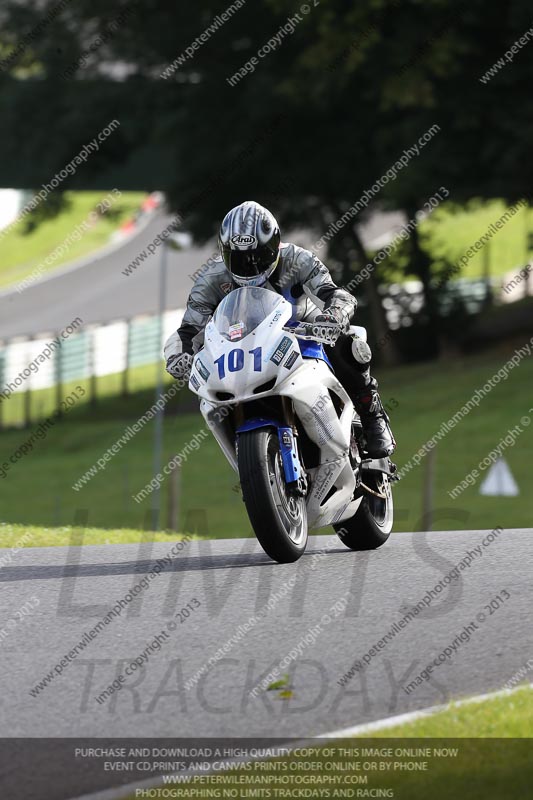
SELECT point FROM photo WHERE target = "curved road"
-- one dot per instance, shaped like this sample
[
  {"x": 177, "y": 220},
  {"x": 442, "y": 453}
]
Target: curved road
[
  {"x": 98, "y": 291},
  {"x": 232, "y": 580}
]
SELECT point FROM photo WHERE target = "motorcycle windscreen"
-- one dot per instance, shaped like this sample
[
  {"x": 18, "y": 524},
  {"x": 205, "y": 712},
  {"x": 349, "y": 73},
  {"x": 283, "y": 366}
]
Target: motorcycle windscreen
[{"x": 243, "y": 310}]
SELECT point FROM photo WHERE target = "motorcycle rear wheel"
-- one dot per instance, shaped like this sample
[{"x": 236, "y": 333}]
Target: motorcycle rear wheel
[
  {"x": 371, "y": 525},
  {"x": 278, "y": 517}
]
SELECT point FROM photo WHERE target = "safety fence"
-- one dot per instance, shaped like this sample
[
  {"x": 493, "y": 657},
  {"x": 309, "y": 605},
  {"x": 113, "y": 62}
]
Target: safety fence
[{"x": 53, "y": 360}]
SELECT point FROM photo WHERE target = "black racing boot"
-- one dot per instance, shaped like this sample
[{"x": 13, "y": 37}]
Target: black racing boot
[{"x": 375, "y": 421}]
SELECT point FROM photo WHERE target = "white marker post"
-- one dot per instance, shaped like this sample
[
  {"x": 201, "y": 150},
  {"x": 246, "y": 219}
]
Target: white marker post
[{"x": 499, "y": 481}]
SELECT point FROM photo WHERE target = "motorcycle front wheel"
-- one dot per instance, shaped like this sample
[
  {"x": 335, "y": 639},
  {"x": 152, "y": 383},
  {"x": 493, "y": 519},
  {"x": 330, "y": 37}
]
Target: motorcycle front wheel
[{"x": 278, "y": 516}]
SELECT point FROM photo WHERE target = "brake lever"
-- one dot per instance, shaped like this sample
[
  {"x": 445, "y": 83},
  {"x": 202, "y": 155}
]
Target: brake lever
[
  {"x": 301, "y": 331},
  {"x": 308, "y": 331}
]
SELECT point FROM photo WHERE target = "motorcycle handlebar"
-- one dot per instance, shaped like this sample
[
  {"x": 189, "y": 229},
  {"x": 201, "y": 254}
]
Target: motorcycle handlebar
[{"x": 300, "y": 332}]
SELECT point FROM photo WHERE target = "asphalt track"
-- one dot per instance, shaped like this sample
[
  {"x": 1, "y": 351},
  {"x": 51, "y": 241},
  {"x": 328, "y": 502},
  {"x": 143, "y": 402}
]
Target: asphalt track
[
  {"x": 98, "y": 292},
  {"x": 233, "y": 579}
]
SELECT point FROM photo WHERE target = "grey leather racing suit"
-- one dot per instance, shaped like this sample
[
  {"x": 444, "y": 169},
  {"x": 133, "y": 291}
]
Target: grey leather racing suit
[
  {"x": 306, "y": 283},
  {"x": 300, "y": 277}
]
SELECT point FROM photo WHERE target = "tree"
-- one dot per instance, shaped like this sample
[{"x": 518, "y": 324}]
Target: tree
[{"x": 307, "y": 128}]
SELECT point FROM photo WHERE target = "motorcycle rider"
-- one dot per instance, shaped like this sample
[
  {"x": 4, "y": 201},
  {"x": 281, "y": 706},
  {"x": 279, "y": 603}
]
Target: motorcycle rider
[{"x": 252, "y": 254}]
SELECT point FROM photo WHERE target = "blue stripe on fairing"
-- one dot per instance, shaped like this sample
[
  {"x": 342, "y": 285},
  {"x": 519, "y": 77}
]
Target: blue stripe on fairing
[
  {"x": 310, "y": 349},
  {"x": 257, "y": 422}
]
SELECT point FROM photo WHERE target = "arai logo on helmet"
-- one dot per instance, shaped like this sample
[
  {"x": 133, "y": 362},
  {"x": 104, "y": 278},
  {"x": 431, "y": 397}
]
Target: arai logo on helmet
[{"x": 243, "y": 240}]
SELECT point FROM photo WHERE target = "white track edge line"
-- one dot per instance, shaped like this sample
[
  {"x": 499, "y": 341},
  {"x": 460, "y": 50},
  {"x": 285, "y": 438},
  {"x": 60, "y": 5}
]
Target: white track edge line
[
  {"x": 413, "y": 716},
  {"x": 117, "y": 792}
]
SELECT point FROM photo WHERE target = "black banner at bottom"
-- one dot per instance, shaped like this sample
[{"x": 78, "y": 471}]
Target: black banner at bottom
[{"x": 407, "y": 769}]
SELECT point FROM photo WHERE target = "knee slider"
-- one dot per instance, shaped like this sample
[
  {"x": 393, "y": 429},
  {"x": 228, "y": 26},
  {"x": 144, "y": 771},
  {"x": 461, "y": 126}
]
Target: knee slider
[{"x": 361, "y": 352}]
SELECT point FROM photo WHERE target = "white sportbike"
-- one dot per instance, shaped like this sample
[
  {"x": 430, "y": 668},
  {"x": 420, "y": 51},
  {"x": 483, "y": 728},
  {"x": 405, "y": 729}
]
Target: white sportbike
[{"x": 288, "y": 427}]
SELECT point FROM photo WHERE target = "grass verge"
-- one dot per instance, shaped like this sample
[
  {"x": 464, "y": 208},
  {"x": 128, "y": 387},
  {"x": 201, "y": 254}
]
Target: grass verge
[
  {"x": 21, "y": 536},
  {"x": 23, "y": 252},
  {"x": 509, "y": 716},
  {"x": 451, "y": 233}
]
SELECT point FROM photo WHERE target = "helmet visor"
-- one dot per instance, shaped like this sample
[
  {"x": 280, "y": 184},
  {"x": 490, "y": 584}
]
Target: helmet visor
[{"x": 249, "y": 263}]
